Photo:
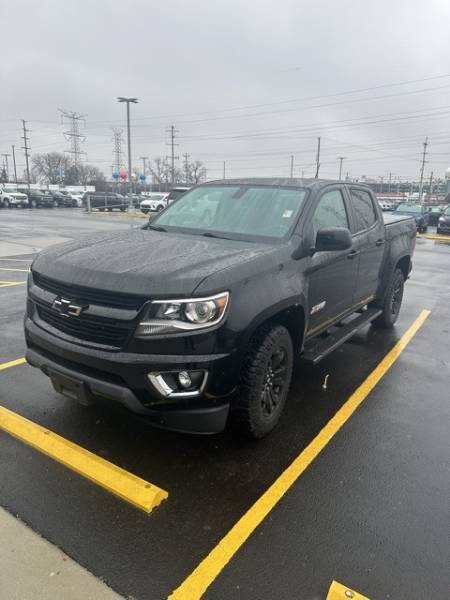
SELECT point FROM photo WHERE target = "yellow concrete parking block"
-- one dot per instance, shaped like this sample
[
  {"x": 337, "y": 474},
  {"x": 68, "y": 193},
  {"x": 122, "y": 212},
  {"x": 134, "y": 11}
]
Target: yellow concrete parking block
[
  {"x": 338, "y": 591},
  {"x": 430, "y": 236},
  {"x": 12, "y": 363},
  {"x": 196, "y": 584},
  {"x": 125, "y": 485}
]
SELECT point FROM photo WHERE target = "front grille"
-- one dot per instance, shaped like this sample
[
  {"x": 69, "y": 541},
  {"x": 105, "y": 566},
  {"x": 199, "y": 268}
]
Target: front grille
[
  {"x": 89, "y": 295},
  {"x": 99, "y": 330}
]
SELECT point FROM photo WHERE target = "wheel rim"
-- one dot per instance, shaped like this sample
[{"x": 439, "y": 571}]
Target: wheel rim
[
  {"x": 397, "y": 294},
  {"x": 274, "y": 381}
]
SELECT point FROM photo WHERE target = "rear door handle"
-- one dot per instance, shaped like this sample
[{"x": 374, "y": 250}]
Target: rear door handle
[
  {"x": 352, "y": 254},
  {"x": 379, "y": 242}
]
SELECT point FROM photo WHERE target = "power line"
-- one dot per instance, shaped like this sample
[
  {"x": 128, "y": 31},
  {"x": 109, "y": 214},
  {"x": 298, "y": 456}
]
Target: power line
[{"x": 73, "y": 136}]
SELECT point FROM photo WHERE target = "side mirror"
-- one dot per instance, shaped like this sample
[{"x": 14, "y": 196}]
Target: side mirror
[{"x": 333, "y": 239}]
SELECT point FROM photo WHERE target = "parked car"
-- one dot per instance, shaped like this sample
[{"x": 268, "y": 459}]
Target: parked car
[
  {"x": 37, "y": 198},
  {"x": 434, "y": 212},
  {"x": 176, "y": 192},
  {"x": 13, "y": 198},
  {"x": 154, "y": 203},
  {"x": 63, "y": 199},
  {"x": 385, "y": 205},
  {"x": 443, "y": 225},
  {"x": 105, "y": 200},
  {"x": 418, "y": 211},
  {"x": 193, "y": 325}
]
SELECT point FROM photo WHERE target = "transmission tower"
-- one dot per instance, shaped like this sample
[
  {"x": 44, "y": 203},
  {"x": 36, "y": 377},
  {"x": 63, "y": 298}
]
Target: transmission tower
[
  {"x": 73, "y": 135},
  {"x": 117, "y": 139}
]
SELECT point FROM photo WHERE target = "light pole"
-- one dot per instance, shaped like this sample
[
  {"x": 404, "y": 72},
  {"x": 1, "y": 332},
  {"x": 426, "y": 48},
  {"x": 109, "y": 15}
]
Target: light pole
[{"x": 128, "y": 101}]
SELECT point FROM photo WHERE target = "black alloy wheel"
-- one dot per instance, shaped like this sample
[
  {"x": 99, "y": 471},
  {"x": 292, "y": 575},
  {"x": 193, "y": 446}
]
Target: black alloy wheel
[{"x": 265, "y": 381}]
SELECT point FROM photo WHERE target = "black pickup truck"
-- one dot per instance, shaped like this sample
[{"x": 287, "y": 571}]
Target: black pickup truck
[{"x": 195, "y": 320}]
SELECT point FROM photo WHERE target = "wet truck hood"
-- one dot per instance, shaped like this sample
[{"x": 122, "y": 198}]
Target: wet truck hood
[{"x": 144, "y": 261}]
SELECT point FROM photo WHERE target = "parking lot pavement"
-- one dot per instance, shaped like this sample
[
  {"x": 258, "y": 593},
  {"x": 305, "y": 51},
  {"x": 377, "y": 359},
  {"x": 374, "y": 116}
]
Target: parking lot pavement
[{"x": 370, "y": 511}]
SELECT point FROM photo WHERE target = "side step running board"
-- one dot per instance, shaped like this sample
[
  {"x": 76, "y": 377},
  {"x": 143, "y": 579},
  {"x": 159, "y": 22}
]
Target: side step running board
[{"x": 318, "y": 348}]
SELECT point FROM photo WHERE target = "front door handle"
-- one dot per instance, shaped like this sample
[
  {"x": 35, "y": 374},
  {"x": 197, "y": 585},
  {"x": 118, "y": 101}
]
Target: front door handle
[
  {"x": 352, "y": 254},
  {"x": 379, "y": 242}
]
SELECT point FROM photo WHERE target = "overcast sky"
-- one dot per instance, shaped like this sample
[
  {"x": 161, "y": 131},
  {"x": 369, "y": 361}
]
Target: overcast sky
[{"x": 249, "y": 82}]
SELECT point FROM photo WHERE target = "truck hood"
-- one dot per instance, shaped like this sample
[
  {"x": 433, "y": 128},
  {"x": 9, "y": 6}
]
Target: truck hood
[{"x": 144, "y": 261}]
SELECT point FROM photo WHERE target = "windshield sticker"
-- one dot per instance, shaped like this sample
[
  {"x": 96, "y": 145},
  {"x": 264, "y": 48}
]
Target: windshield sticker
[
  {"x": 287, "y": 214},
  {"x": 315, "y": 309}
]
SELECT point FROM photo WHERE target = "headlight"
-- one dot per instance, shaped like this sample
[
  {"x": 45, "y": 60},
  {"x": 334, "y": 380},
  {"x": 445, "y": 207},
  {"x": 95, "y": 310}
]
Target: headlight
[{"x": 175, "y": 316}]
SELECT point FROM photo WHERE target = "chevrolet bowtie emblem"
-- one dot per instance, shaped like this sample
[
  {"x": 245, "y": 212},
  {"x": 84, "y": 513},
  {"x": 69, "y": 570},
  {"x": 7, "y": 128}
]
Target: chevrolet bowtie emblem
[{"x": 67, "y": 308}]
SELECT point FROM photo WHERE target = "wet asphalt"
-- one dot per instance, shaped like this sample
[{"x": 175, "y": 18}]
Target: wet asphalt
[{"x": 371, "y": 511}]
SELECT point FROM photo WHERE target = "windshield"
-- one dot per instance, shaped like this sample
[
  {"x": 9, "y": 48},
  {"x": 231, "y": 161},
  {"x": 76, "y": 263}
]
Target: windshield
[
  {"x": 241, "y": 211},
  {"x": 409, "y": 208}
]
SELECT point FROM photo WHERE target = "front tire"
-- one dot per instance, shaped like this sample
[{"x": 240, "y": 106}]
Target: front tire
[
  {"x": 6, "y": 203},
  {"x": 392, "y": 302},
  {"x": 265, "y": 381}
]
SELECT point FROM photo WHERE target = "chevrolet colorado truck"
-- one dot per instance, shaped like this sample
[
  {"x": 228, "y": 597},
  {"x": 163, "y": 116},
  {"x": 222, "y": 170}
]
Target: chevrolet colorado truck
[{"x": 194, "y": 320}]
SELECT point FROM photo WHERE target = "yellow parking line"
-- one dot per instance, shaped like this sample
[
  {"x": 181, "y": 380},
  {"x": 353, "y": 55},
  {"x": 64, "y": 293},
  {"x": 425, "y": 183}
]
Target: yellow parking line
[
  {"x": 12, "y": 363},
  {"x": 442, "y": 238},
  {"x": 15, "y": 270},
  {"x": 10, "y": 283},
  {"x": 338, "y": 591},
  {"x": 127, "y": 486},
  {"x": 196, "y": 584},
  {"x": 17, "y": 259}
]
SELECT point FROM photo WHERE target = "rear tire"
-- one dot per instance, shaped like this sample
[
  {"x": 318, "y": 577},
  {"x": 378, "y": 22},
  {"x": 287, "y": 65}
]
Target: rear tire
[
  {"x": 392, "y": 302},
  {"x": 6, "y": 203},
  {"x": 265, "y": 381}
]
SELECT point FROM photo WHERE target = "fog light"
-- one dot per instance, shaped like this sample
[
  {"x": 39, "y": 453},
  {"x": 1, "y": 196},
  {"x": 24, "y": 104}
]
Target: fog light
[{"x": 184, "y": 379}]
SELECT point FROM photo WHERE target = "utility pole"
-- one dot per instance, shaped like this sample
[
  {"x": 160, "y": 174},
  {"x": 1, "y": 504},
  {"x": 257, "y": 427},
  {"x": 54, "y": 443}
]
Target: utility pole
[
  {"x": 390, "y": 179},
  {"x": 381, "y": 184},
  {"x": 318, "y": 158},
  {"x": 223, "y": 170},
  {"x": 430, "y": 189},
  {"x": 14, "y": 162},
  {"x": 27, "y": 149},
  {"x": 341, "y": 160},
  {"x": 5, "y": 157},
  {"x": 292, "y": 166},
  {"x": 186, "y": 166},
  {"x": 128, "y": 101},
  {"x": 425, "y": 144},
  {"x": 173, "y": 132},
  {"x": 73, "y": 136}
]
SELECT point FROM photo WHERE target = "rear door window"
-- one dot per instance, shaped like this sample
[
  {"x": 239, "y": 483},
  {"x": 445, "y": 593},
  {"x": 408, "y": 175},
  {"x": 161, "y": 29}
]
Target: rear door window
[{"x": 364, "y": 213}]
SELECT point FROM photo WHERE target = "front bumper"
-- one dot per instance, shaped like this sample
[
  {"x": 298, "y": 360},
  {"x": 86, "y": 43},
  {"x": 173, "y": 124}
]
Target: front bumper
[
  {"x": 90, "y": 374},
  {"x": 443, "y": 228}
]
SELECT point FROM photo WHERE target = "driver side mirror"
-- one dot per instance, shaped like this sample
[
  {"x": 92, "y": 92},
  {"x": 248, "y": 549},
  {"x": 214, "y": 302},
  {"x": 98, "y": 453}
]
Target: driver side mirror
[{"x": 332, "y": 239}]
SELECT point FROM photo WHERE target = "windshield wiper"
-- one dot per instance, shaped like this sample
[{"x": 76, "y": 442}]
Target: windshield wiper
[
  {"x": 214, "y": 235},
  {"x": 156, "y": 227}
]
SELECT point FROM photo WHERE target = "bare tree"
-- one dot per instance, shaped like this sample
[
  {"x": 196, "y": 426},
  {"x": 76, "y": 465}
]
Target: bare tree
[
  {"x": 90, "y": 175},
  {"x": 50, "y": 167},
  {"x": 195, "y": 172},
  {"x": 161, "y": 172}
]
